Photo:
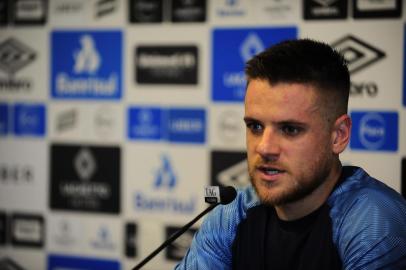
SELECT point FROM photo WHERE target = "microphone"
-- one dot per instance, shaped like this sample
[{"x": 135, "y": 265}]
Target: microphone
[{"x": 213, "y": 195}]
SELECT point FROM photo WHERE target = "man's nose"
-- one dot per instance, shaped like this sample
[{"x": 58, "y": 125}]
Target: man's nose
[{"x": 268, "y": 146}]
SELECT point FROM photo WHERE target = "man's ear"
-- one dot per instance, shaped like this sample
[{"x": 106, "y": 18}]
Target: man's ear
[{"x": 341, "y": 133}]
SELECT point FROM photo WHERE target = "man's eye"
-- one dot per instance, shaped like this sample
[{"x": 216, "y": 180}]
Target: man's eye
[
  {"x": 291, "y": 130},
  {"x": 254, "y": 127}
]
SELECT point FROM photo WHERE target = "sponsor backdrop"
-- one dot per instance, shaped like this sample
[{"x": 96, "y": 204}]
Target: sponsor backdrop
[{"x": 114, "y": 114}]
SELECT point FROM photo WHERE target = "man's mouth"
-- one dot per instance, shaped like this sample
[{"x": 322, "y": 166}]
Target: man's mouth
[{"x": 270, "y": 170}]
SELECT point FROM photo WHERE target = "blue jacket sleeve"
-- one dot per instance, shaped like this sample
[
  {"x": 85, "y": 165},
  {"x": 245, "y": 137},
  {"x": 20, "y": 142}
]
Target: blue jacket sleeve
[
  {"x": 371, "y": 233},
  {"x": 212, "y": 244}
]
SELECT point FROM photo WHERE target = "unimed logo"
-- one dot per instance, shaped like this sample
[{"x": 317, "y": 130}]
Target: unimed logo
[
  {"x": 86, "y": 64},
  {"x": 374, "y": 131},
  {"x": 232, "y": 48},
  {"x": 27, "y": 230},
  {"x": 166, "y": 64},
  {"x": 324, "y": 9}
]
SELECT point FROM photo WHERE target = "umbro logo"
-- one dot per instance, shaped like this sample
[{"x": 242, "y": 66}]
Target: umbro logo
[
  {"x": 14, "y": 55},
  {"x": 358, "y": 53}
]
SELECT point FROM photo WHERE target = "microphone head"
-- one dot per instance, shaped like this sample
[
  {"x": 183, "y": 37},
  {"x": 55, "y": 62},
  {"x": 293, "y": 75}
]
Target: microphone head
[
  {"x": 227, "y": 194},
  {"x": 217, "y": 194}
]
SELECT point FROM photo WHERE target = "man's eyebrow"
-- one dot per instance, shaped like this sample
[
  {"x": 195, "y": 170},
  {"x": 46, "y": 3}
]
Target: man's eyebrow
[{"x": 250, "y": 119}]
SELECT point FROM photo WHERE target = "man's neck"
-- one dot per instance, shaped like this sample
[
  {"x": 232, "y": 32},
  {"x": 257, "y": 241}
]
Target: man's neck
[{"x": 313, "y": 201}]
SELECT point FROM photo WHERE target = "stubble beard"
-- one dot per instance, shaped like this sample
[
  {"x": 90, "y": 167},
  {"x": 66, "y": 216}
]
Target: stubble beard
[{"x": 299, "y": 188}]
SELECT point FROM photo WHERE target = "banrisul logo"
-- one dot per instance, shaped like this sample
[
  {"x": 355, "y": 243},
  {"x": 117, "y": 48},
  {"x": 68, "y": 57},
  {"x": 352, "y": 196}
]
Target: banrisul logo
[
  {"x": 86, "y": 64},
  {"x": 164, "y": 197},
  {"x": 232, "y": 48},
  {"x": 374, "y": 131}
]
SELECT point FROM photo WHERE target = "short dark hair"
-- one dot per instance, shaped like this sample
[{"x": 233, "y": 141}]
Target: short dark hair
[{"x": 305, "y": 61}]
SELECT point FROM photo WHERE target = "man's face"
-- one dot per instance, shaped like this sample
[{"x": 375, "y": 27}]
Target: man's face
[{"x": 288, "y": 141}]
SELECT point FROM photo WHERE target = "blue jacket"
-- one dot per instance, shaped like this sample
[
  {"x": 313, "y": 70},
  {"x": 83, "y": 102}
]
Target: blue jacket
[{"x": 368, "y": 220}]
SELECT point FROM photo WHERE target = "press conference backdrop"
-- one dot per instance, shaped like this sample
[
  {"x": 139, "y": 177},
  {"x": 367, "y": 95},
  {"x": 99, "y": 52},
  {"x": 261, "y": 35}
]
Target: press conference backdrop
[{"x": 115, "y": 114}]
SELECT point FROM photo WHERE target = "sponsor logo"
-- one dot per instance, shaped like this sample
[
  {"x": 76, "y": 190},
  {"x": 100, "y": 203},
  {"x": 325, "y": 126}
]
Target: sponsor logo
[
  {"x": 164, "y": 184},
  {"x": 188, "y": 10},
  {"x": 166, "y": 64},
  {"x": 86, "y": 64},
  {"x": 278, "y": 9},
  {"x": 232, "y": 48},
  {"x": 186, "y": 125},
  {"x": 29, "y": 119},
  {"x": 145, "y": 123},
  {"x": 9, "y": 264},
  {"x": 30, "y": 11},
  {"x": 229, "y": 168},
  {"x": 130, "y": 240},
  {"x": 177, "y": 250},
  {"x": 66, "y": 233},
  {"x": 103, "y": 240},
  {"x": 182, "y": 125},
  {"x": 71, "y": 7},
  {"x": 325, "y": 9},
  {"x": 375, "y": 131},
  {"x": 27, "y": 230},
  {"x": 16, "y": 174},
  {"x": 231, "y": 8},
  {"x": 105, "y": 7},
  {"x": 4, "y": 119},
  {"x": 85, "y": 178},
  {"x": 3, "y": 229},
  {"x": 4, "y": 12},
  {"x": 59, "y": 262},
  {"x": 230, "y": 126},
  {"x": 14, "y": 56},
  {"x": 66, "y": 120},
  {"x": 403, "y": 184},
  {"x": 104, "y": 121},
  {"x": 377, "y": 9},
  {"x": 359, "y": 55},
  {"x": 145, "y": 11}
]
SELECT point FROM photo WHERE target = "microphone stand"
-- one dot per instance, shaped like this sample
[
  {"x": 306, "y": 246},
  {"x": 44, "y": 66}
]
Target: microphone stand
[{"x": 173, "y": 237}]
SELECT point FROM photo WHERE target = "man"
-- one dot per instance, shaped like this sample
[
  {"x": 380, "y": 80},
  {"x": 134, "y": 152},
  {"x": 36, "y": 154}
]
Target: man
[{"x": 304, "y": 209}]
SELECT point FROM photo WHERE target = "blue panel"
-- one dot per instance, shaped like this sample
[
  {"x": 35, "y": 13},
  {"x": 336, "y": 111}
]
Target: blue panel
[
  {"x": 29, "y": 119},
  {"x": 4, "y": 120},
  {"x": 144, "y": 123},
  {"x": 86, "y": 64},
  {"x": 56, "y": 262},
  {"x": 232, "y": 48},
  {"x": 186, "y": 125},
  {"x": 374, "y": 131}
]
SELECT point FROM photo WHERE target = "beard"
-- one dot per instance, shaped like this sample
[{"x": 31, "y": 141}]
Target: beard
[{"x": 294, "y": 188}]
